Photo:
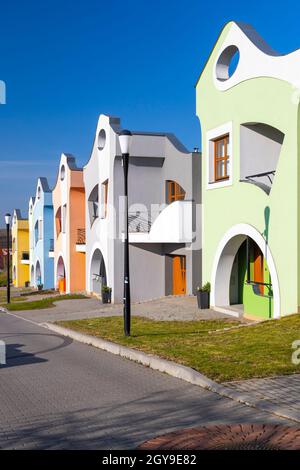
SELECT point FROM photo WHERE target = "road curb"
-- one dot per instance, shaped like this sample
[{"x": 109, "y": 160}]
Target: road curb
[{"x": 176, "y": 370}]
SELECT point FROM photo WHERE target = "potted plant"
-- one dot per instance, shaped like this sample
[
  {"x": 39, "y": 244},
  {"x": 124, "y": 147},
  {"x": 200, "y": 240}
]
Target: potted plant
[
  {"x": 203, "y": 296},
  {"x": 106, "y": 294},
  {"x": 40, "y": 287}
]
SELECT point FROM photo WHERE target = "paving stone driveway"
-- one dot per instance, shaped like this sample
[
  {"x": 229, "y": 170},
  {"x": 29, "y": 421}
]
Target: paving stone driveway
[
  {"x": 166, "y": 308},
  {"x": 283, "y": 392}
]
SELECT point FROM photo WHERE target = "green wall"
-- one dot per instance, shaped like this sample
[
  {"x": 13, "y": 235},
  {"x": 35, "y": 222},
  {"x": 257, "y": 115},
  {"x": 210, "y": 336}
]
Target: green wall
[
  {"x": 260, "y": 306},
  {"x": 263, "y": 100}
]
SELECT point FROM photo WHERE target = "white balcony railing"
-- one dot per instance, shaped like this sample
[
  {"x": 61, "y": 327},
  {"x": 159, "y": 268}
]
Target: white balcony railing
[{"x": 172, "y": 225}]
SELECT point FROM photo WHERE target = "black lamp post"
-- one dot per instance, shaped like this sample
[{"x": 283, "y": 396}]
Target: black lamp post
[
  {"x": 7, "y": 222},
  {"x": 125, "y": 140}
]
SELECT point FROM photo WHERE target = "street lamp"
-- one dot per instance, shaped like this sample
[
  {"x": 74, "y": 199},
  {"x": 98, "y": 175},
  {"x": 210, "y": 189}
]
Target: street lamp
[
  {"x": 125, "y": 140},
  {"x": 7, "y": 222}
]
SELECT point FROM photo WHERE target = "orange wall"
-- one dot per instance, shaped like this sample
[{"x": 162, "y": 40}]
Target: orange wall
[
  {"x": 76, "y": 221},
  {"x": 70, "y": 191}
]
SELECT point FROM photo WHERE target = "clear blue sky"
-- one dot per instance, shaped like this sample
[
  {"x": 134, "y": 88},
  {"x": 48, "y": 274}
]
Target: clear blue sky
[{"x": 65, "y": 62}]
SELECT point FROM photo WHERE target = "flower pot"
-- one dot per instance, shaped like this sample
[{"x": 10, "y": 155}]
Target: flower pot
[
  {"x": 203, "y": 299},
  {"x": 40, "y": 287},
  {"x": 106, "y": 297}
]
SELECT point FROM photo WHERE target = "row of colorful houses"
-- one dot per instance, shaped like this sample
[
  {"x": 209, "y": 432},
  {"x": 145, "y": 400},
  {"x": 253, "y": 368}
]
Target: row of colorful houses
[
  {"x": 244, "y": 239},
  {"x": 72, "y": 239}
]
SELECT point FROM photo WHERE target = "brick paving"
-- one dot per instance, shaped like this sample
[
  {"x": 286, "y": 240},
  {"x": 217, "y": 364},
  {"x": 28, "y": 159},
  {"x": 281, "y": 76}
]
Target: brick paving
[
  {"x": 283, "y": 391},
  {"x": 56, "y": 393},
  {"x": 229, "y": 437}
]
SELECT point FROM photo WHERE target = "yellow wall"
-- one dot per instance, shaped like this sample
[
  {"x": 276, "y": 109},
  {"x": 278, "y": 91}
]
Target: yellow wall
[{"x": 20, "y": 244}]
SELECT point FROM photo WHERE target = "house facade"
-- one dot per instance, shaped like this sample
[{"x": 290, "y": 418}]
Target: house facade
[
  {"x": 249, "y": 113},
  {"x": 68, "y": 250},
  {"x": 31, "y": 239},
  {"x": 164, "y": 195},
  {"x": 40, "y": 219},
  {"x": 20, "y": 250}
]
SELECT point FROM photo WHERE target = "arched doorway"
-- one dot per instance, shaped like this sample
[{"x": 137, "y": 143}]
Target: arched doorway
[
  {"x": 244, "y": 271},
  {"x": 61, "y": 275},
  {"x": 97, "y": 272},
  {"x": 38, "y": 274}
]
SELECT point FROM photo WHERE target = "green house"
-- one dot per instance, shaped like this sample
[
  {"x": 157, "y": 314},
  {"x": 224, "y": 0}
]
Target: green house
[{"x": 248, "y": 106}]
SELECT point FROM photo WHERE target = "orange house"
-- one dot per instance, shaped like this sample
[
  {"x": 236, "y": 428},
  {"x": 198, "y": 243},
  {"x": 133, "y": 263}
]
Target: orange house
[{"x": 69, "y": 227}]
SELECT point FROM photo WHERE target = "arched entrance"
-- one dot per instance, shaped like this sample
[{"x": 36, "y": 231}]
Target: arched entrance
[
  {"x": 97, "y": 272},
  {"x": 61, "y": 275},
  {"x": 241, "y": 254},
  {"x": 38, "y": 274}
]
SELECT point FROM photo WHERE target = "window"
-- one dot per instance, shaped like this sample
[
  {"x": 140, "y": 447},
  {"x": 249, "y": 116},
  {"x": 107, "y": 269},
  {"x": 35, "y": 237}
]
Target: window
[
  {"x": 227, "y": 63},
  {"x": 62, "y": 173},
  {"x": 64, "y": 218},
  {"x": 174, "y": 192},
  {"x": 221, "y": 158},
  {"x": 218, "y": 156},
  {"x": 104, "y": 199},
  {"x": 36, "y": 232},
  {"x": 101, "y": 139},
  {"x": 40, "y": 229},
  {"x": 58, "y": 221},
  {"x": 93, "y": 205}
]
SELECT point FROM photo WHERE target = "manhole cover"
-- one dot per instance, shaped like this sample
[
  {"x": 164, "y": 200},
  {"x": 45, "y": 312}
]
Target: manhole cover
[{"x": 229, "y": 437}]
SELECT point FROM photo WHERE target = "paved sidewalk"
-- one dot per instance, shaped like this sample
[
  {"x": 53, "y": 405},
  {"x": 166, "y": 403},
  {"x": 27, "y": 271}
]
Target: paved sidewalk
[
  {"x": 166, "y": 309},
  {"x": 283, "y": 392}
]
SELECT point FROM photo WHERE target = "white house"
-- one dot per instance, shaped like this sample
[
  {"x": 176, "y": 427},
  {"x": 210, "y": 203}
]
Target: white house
[{"x": 164, "y": 214}]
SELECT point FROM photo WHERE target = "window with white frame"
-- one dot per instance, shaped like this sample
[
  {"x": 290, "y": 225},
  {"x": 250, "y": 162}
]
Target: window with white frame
[{"x": 221, "y": 158}]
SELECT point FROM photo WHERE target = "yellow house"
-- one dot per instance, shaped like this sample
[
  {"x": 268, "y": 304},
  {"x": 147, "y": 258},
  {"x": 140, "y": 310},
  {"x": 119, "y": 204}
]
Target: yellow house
[{"x": 20, "y": 250}]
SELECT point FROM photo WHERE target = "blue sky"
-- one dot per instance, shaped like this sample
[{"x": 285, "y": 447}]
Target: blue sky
[{"x": 65, "y": 62}]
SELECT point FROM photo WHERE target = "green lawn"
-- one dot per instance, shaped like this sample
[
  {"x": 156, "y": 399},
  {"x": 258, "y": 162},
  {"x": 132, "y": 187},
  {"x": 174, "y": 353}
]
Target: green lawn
[
  {"x": 19, "y": 304},
  {"x": 259, "y": 350}
]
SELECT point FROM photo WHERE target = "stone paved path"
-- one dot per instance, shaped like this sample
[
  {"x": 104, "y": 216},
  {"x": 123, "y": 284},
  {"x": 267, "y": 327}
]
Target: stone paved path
[
  {"x": 284, "y": 391},
  {"x": 166, "y": 308}
]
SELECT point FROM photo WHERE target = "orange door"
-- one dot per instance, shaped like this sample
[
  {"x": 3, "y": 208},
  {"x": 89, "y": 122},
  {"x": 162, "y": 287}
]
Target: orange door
[
  {"x": 62, "y": 285},
  {"x": 179, "y": 275},
  {"x": 258, "y": 263}
]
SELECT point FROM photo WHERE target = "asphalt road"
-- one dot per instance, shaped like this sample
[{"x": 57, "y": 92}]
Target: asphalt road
[{"x": 56, "y": 393}]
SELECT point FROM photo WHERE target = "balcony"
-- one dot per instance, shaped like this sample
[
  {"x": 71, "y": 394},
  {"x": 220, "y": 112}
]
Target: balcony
[
  {"x": 80, "y": 241},
  {"x": 172, "y": 225},
  {"x": 139, "y": 222},
  {"x": 25, "y": 257}
]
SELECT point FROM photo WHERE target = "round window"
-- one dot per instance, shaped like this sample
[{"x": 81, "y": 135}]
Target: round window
[
  {"x": 227, "y": 63},
  {"x": 101, "y": 139}
]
